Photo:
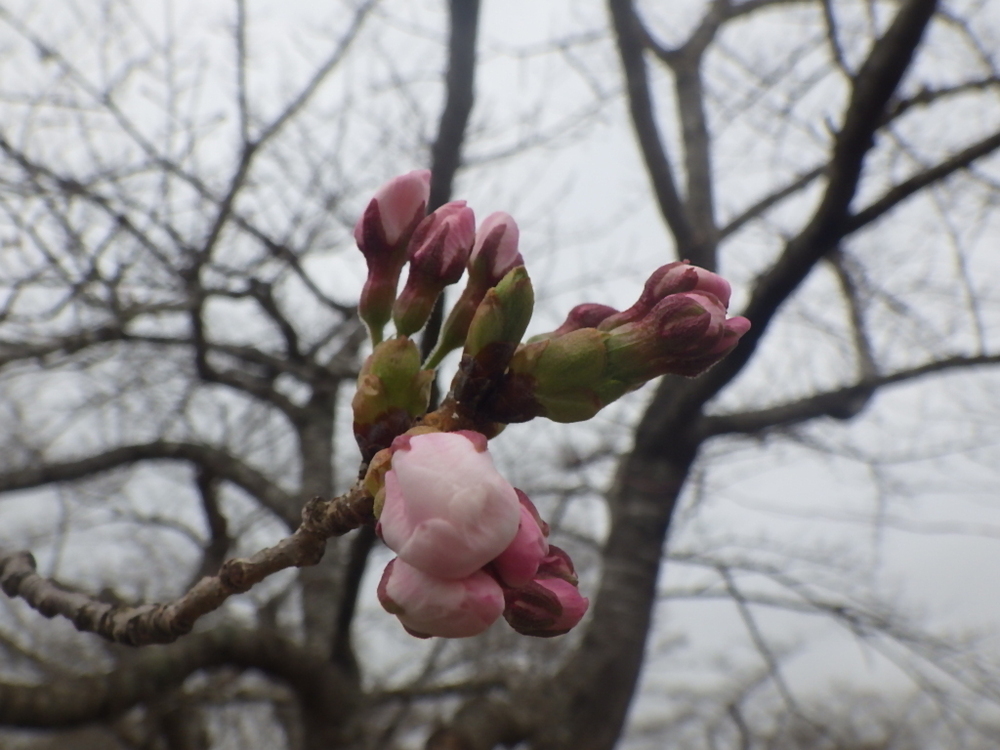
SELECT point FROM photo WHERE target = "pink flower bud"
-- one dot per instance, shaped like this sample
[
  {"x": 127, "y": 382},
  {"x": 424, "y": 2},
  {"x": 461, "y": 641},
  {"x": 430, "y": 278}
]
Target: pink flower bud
[
  {"x": 544, "y": 608},
  {"x": 684, "y": 334},
  {"x": 441, "y": 243},
  {"x": 394, "y": 211},
  {"x": 438, "y": 253},
  {"x": 428, "y": 606},
  {"x": 673, "y": 278},
  {"x": 495, "y": 251},
  {"x": 447, "y": 510},
  {"x": 518, "y": 564},
  {"x": 382, "y": 234},
  {"x": 713, "y": 284}
]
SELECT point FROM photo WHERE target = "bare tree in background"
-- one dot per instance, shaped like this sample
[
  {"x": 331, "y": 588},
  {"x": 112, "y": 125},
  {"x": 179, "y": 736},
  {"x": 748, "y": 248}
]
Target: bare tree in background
[{"x": 178, "y": 338}]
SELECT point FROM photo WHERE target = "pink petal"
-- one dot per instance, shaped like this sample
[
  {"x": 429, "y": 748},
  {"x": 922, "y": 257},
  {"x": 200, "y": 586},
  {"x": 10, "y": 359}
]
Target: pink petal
[{"x": 429, "y": 606}]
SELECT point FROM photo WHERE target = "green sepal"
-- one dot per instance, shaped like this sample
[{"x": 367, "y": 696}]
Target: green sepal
[
  {"x": 503, "y": 315},
  {"x": 392, "y": 392}
]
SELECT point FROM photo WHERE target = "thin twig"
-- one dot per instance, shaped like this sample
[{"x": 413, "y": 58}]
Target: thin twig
[{"x": 164, "y": 623}]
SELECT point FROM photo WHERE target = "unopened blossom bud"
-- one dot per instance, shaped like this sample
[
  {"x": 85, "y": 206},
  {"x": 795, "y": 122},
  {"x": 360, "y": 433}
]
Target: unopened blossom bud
[
  {"x": 428, "y": 606},
  {"x": 551, "y": 603},
  {"x": 392, "y": 392},
  {"x": 673, "y": 278},
  {"x": 495, "y": 252},
  {"x": 683, "y": 334},
  {"x": 545, "y": 608},
  {"x": 570, "y": 377},
  {"x": 447, "y": 510},
  {"x": 382, "y": 234},
  {"x": 393, "y": 212},
  {"x": 438, "y": 253},
  {"x": 493, "y": 256},
  {"x": 518, "y": 564}
]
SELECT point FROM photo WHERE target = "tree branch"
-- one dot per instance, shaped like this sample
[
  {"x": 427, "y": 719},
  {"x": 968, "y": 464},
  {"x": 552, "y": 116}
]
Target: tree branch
[
  {"x": 446, "y": 153},
  {"x": 928, "y": 95},
  {"x": 164, "y": 623},
  {"x": 630, "y": 37},
  {"x": 768, "y": 201},
  {"x": 222, "y": 464},
  {"x": 841, "y": 403},
  {"x": 897, "y": 194},
  {"x": 219, "y": 541},
  {"x": 71, "y": 701},
  {"x": 874, "y": 86}
]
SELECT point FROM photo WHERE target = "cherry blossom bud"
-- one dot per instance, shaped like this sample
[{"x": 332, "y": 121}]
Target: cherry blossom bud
[
  {"x": 673, "y": 278},
  {"x": 392, "y": 392},
  {"x": 517, "y": 564},
  {"x": 428, "y": 606},
  {"x": 382, "y": 234},
  {"x": 447, "y": 511},
  {"x": 551, "y": 603},
  {"x": 438, "y": 253},
  {"x": 393, "y": 213},
  {"x": 572, "y": 376},
  {"x": 502, "y": 316},
  {"x": 562, "y": 378},
  {"x": 683, "y": 334},
  {"x": 494, "y": 255},
  {"x": 545, "y": 608},
  {"x": 495, "y": 251}
]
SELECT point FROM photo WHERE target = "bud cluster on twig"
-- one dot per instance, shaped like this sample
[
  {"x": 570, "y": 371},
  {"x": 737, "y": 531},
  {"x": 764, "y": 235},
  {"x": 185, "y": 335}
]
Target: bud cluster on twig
[{"x": 470, "y": 547}]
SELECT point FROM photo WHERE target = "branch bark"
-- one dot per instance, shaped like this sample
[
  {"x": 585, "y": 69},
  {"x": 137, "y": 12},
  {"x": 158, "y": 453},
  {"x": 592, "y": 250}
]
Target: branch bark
[
  {"x": 841, "y": 403},
  {"x": 874, "y": 87},
  {"x": 630, "y": 38},
  {"x": 72, "y": 701},
  {"x": 164, "y": 623},
  {"x": 222, "y": 464}
]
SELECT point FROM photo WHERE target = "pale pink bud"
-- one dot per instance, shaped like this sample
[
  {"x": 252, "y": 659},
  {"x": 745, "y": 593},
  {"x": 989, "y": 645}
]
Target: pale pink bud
[
  {"x": 518, "y": 564},
  {"x": 441, "y": 243},
  {"x": 428, "y": 606},
  {"x": 395, "y": 210},
  {"x": 713, "y": 284},
  {"x": 673, "y": 278},
  {"x": 495, "y": 251},
  {"x": 447, "y": 510},
  {"x": 734, "y": 330}
]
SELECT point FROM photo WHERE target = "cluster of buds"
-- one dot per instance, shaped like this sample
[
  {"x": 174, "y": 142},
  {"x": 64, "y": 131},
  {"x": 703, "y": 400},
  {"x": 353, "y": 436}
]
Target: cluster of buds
[
  {"x": 469, "y": 546},
  {"x": 677, "y": 326}
]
